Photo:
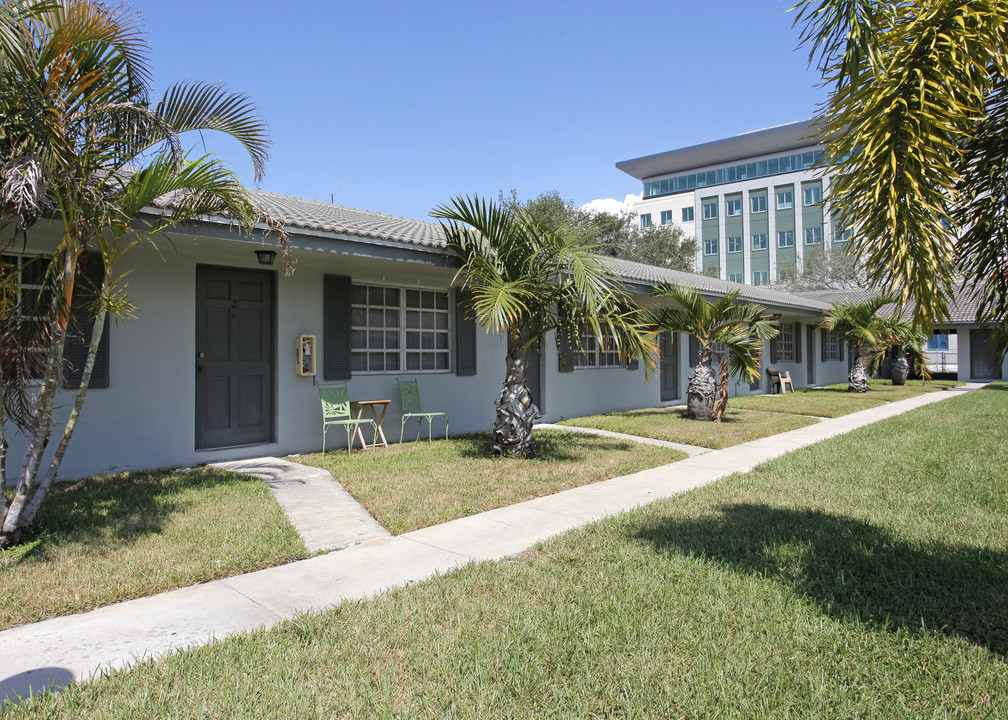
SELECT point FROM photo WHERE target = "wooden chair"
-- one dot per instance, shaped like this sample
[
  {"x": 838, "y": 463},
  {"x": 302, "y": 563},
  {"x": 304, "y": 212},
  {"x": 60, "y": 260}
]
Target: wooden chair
[
  {"x": 780, "y": 379},
  {"x": 409, "y": 391},
  {"x": 336, "y": 411}
]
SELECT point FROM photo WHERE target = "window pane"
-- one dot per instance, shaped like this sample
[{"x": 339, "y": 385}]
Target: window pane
[
  {"x": 427, "y": 321},
  {"x": 358, "y": 339},
  {"x": 391, "y": 297},
  {"x": 376, "y": 296},
  {"x": 427, "y": 298},
  {"x": 427, "y": 341},
  {"x": 391, "y": 340},
  {"x": 442, "y": 341},
  {"x": 412, "y": 361},
  {"x": 428, "y": 361},
  {"x": 412, "y": 319},
  {"x": 441, "y": 301},
  {"x": 358, "y": 362},
  {"x": 442, "y": 361},
  {"x": 358, "y": 317},
  {"x": 376, "y": 318},
  {"x": 358, "y": 294},
  {"x": 412, "y": 340},
  {"x": 391, "y": 318},
  {"x": 413, "y": 298},
  {"x": 391, "y": 361},
  {"x": 376, "y": 361},
  {"x": 376, "y": 339}
]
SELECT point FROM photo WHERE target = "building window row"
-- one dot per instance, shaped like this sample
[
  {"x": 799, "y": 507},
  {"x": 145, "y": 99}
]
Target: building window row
[
  {"x": 733, "y": 207},
  {"x": 645, "y": 220},
  {"x": 710, "y": 246},
  {"x": 785, "y": 238},
  {"x": 760, "y": 277},
  {"x": 813, "y": 236},
  {"x": 735, "y": 173},
  {"x": 812, "y": 195},
  {"x": 687, "y": 214},
  {"x": 710, "y": 210},
  {"x": 735, "y": 244},
  {"x": 735, "y": 277},
  {"x": 394, "y": 329},
  {"x": 666, "y": 217},
  {"x": 759, "y": 241},
  {"x": 785, "y": 199},
  {"x": 758, "y": 203}
]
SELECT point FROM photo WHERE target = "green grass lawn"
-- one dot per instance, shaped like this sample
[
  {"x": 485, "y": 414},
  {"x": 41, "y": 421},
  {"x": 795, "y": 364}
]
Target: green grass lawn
[
  {"x": 675, "y": 425},
  {"x": 413, "y": 485},
  {"x": 865, "y": 576},
  {"x": 124, "y": 536},
  {"x": 835, "y": 400}
]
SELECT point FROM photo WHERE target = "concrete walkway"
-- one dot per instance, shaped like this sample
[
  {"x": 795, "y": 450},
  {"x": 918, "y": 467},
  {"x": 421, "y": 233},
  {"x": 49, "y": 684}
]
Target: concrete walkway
[
  {"x": 75, "y": 647},
  {"x": 323, "y": 512}
]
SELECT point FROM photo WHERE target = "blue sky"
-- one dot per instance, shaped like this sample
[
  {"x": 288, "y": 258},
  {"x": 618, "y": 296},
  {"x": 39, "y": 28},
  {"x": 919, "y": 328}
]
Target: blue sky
[{"x": 397, "y": 106}]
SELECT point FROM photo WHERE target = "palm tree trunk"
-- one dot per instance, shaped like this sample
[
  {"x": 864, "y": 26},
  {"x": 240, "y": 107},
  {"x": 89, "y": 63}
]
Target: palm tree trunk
[
  {"x": 701, "y": 390},
  {"x": 722, "y": 401},
  {"x": 512, "y": 434},
  {"x": 858, "y": 381}
]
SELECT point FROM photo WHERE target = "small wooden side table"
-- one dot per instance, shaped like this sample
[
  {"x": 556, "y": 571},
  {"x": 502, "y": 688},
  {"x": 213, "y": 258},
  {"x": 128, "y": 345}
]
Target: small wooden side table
[{"x": 373, "y": 406}]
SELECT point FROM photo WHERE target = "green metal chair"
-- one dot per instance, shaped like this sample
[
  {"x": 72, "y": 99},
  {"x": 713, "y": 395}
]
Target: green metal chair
[
  {"x": 410, "y": 394},
  {"x": 336, "y": 411}
]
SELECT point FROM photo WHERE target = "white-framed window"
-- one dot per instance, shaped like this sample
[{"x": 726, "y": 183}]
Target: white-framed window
[
  {"x": 710, "y": 210},
  {"x": 785, "y": 238},
  {"x": 645, "y": 220},
  {"x": 22, "y": 281},
  {"x": 785, "y": 199},
  {"x": 735, "y": 244},
  {"x": 758, "y": 203},
  {"x": 844, "y": 233},
  {"x": 813, "y": 235},
  {"x": 733, "y": 207},
  {"x": 785, "y": 343},
  {"x": 666, "y": 217},
  {"x": 831, "y": 345},
  {"x": 687, "y": 214},
  {"x": 812, "y": 195},
  {"x": 590, "y": 353},
  {"x": 397, "y": 329},
  {"x": 759, "y": 241},
  {"x": 760, "y": 277},
  {"x": 710, "y": 246},
  {"x": 735, "y": 277}
]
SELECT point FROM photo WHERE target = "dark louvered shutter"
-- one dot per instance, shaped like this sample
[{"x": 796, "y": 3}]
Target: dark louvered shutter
[
  {"x": 755, "y": 384},
  {"x": 465, "y": 334},
  {"x": 822, "y": 344},
  {"x": 565, "y": 355},
  {"x": 841, "y": 343},
  {"x": 773, "y": 351},
  {"x": 797, "y": 342},
  {"x": 78, "y": 340},
  {"x": 694, "y": 351},
  {"x": 336, "y": 323}
]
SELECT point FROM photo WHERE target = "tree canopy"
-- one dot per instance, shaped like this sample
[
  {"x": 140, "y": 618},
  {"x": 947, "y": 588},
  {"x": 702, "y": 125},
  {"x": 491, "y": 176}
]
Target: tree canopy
[{"x": 916, "y": 124}]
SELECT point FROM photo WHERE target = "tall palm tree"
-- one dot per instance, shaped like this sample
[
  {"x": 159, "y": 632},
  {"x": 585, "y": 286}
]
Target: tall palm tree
[
  {"x": 82, "y": 142},
  {"x": 741, "y": 328},
  {"x": 529, "y": 278},
  {"x": 916, "y": 124},
  {"x": 859, "y": 325}
]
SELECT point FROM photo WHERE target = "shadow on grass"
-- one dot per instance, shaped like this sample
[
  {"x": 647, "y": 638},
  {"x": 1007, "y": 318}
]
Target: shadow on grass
[
  {"x": 114, "y": 510},
  {"x": 853, "y": 570},
  {"x": 661, "y": 414}
]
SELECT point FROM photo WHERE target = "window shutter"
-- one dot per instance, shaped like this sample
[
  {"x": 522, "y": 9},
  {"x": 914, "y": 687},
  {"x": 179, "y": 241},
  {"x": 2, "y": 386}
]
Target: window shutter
[
  {"x": 336, "y": 328},
  {"x": 694, "y": 351},
  {"x": 797, "y": 342},
  {"x": 773, "y": 351},
  {"x": 565, "y": 355},
  {"x": 822, "y": 344},
  {"x": 465, "y": 334},
  {"x": 91, "y": 271},
  {"x": 755, "y": 384},
  {"x": 841, "y": 343}
]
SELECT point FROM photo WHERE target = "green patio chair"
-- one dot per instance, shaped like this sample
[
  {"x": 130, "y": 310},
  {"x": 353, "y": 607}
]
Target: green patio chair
[
  {"x": 336, "y": 411},
  {"x": 410, "y": 393}
]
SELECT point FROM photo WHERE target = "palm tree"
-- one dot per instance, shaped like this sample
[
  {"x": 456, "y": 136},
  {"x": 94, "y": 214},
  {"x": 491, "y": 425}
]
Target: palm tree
[
  {"x": 741, "y": 328},
  {"x": 916, "y": 124},
  {"x": 906, "y": 341},
  {"x": 83, "y": 142},
  {"x": 528, "y": 278},
  {"x": 859, "y": 325}
]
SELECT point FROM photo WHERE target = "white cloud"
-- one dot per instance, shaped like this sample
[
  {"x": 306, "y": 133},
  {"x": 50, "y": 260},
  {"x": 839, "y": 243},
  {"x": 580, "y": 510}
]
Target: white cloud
[{"x": 613, "y": 206}]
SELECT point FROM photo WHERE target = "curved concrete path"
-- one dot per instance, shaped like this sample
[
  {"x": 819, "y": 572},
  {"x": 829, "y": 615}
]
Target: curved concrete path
[
  {"x": 56, "y": 652},
  {"x": 323, "y": 512}
]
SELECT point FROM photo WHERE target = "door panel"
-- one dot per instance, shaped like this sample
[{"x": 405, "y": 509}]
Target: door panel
[
  {"x": 234, "y": 357},
  {"x": 982, "y": 364},
  {"x": 668, "y": 367}
]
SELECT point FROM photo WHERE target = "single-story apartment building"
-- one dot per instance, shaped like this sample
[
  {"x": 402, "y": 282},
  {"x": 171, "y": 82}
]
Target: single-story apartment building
[{"x": 208, "y": 370}]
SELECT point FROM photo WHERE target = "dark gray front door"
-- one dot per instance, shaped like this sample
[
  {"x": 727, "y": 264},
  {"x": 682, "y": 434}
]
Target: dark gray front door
[
  {"x": 668, "y": 367},
  {"x": 982, "y": 364},
  {"x": 810, "y": 354},
  {"x": 234, "y": 357}
]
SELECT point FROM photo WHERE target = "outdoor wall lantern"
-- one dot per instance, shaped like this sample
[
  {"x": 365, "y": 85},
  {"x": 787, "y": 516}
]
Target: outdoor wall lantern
[{"x": 266, "y": 257}]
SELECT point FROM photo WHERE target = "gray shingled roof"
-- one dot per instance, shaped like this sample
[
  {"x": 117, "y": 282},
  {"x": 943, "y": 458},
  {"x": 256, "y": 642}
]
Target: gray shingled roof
[
  {"x": 312, "y": 216},
  {"x": 962, "y": 309},
  {"x": 712, "y": 286}
]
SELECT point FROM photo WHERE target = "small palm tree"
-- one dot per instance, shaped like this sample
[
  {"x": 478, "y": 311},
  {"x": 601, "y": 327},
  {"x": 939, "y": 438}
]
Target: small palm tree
[
  {"x": 529, "y": 278},
  {"x": 859, "y": 325},
  {"x": 741, "y": 328},
  {"x": 907, "y": 341}
]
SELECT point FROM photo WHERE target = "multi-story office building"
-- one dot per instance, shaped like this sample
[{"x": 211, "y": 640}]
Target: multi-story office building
[{"x": 754, "y": 202}]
